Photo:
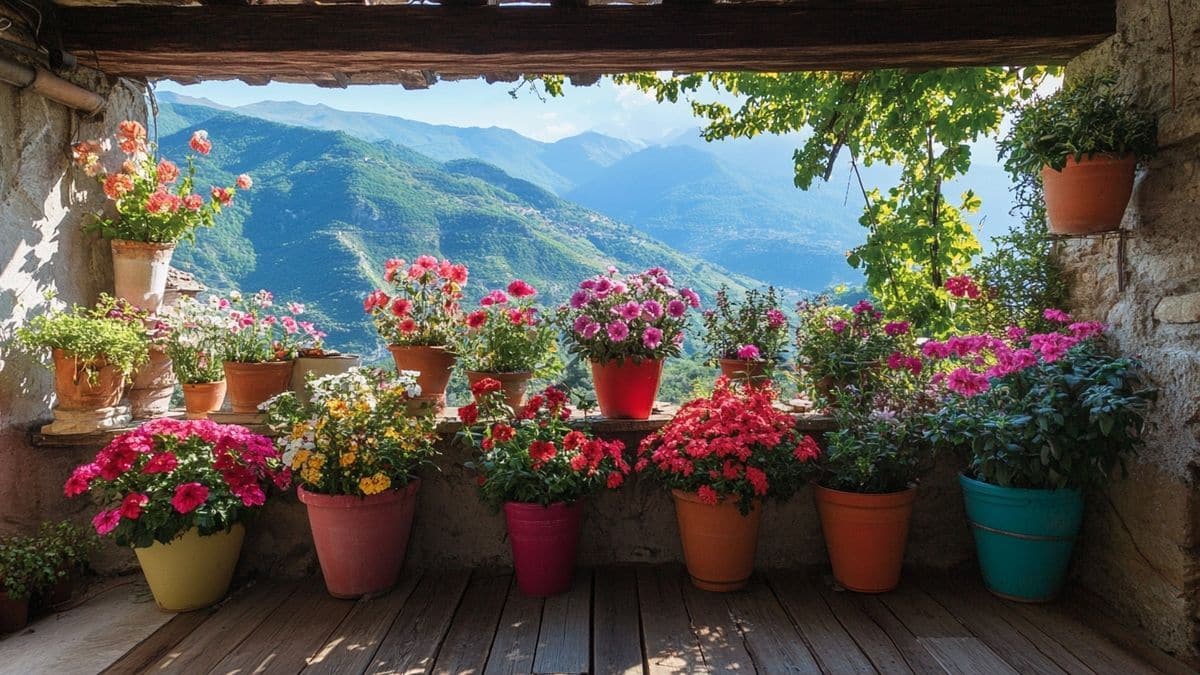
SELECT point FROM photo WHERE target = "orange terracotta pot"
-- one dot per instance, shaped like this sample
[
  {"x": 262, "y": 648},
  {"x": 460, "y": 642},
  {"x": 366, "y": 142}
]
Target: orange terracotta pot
[
  {"x": 866, "y": 535},
  {"x": 434, "y": 365},
  {"x": 149, "y": 393},
  {"x": 202, "y": 398},
  {"x": 1088, "y": 196},
  {"x": 249, "y": 384},
  {"x": 76, "y": 391},
  {"x": 738, "y": 370},
  {"x": 514, "y": 385},
  {"x": 718, "y": 541}
]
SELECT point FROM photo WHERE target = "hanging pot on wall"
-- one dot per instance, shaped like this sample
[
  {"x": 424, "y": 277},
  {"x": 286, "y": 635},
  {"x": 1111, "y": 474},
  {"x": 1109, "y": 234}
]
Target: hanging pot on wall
[
  {"x": 1088, "y": 196},
  {"x": 140, "y": 272}
]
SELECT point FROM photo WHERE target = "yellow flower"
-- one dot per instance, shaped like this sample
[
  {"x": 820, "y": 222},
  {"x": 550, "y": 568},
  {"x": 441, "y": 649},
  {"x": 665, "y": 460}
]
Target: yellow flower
[
  {"x": 375, "y": 484},
  {"x": 311, "y": 474},
  {"x": 347, "y": 459},
  {"x": 300, "y": 458}
]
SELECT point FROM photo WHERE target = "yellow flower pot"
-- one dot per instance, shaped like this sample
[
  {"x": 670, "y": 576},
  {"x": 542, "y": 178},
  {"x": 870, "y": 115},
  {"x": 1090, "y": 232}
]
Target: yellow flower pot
[{"x": 191, "y": 572}]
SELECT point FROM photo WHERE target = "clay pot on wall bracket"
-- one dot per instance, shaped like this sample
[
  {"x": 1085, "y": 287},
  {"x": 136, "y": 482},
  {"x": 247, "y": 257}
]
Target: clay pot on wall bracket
[
  {"x": 866, "y": 535},
  {"x": 1088, "y": 196},
  {"x": 434, "y": 365},
  {"x": 718, "y": 541},
  {"x": 544, "y": 544},
  {"x": 192, "y": 571},
  {"x": 739, "y": 370},
  {"x": 149, "y": 394},
  {"x": 311, "y": 367},
  {"x": 626, "y": 389},
  {"x": 361, "y": 541},
  {"x": 140, "y": 272},
  {"x": 513, "y": 385},
  {"x": 249, "y": 384},
  {"x": 77, "y": 391},
  {"x": 202, "y": 398}
]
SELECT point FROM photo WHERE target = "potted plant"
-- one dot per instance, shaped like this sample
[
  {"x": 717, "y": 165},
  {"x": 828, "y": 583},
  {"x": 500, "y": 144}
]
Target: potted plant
[
  {"x": 195, "y": 345},
  {"x": 540, "y": 470},
  {"x": 354, "y": 451},
  {"x": 868, "y": 478},
  {"x": 746, "y": 338},
  {"x": 722, "y": 456},
  {"x": 317, "y": 361},
  {"x": 261, "y": 344},
  {"x": 1041, "y": 419},
  {"x": 64, "y": 548},
  {"x": 92, "y": 353},
  {"x": 20, "y": 573},
  {"x": 156, "y": 205},
  {"x": 420, "y": 319},
  {"x": 178, "y": 492},
  {"x": 1085, "y": 141},
  {"x": 625, "y": 327},
  {"x": 842, "y": 349},
  {"x": 507, "y": 340},
  {"x": 151, "y": 384}
]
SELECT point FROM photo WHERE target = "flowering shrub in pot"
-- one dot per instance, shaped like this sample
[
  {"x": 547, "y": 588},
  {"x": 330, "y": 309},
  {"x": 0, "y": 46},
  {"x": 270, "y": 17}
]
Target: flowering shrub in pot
[
  {"x": 508, "y": 340},
  {"x": 842, "y": 349},
  {"x": 540, "y": 470},
  {"x": 22, "y": 571},
  {"x": 625, "y": 327},
  {"x": 93, "y": 353},
  {"x": 156, "y": 204},
  {"x": 420, "y": 318},
  {"x": 178, "y": 492},
  {"x": 1085, "y": 142},
  {"x": 261, "y": 343},
  {"x": 151, "y": 384},
  {"x": 721, "y": 456},
  {"x": 196, "y": 346},
  {"x": 746, "y": 338},
  {"x": 1041, "y": 420},
  {"x": 354, "y": 450}
]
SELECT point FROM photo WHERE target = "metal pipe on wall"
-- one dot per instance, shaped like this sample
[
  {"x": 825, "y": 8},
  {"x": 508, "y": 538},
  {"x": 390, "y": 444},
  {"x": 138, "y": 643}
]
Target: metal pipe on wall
[{"x": 51, "y": 86}]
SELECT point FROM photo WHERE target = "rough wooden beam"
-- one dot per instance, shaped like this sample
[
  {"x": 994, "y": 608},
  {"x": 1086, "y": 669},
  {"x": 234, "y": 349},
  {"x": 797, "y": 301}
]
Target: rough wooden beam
[{"x": 235, "y": 41}]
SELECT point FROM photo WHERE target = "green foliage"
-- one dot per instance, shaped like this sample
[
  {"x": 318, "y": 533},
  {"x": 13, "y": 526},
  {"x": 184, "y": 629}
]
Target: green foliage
[
  {"x": 756, "y": 320},
  {"x": 64, "y": 547},
  {"x": 509, "y": 337},
  {"x": 1087, "y": 117},
  {"x": 1064, "y": 424},
  {"x": 921, "y": 121},
  {"x": 839, "y": 347},
  {"x": 90, "y": 335},
  {"x": 23, "y": 568}
]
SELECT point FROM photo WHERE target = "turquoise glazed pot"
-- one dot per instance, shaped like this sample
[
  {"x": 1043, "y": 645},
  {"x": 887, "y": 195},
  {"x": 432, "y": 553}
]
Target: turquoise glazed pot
[{"x": 1023, "y": 537}]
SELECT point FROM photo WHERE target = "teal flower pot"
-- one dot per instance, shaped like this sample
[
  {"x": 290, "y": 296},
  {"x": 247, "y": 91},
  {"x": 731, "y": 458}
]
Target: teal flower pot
[{"x": 1023, "y": 537}]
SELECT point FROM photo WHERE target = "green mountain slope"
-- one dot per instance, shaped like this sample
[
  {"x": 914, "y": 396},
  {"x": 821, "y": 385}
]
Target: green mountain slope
[{"x": 327, "y": 209}]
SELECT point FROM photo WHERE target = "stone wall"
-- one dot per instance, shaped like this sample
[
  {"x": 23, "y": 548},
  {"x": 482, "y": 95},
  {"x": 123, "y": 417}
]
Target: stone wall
[
  {"x": 43, "y": 204},
  {"x": 1139, "y": 548}
]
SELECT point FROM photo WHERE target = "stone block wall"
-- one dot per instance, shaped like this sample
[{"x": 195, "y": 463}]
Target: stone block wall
[{"x": 1139, "y": 549}]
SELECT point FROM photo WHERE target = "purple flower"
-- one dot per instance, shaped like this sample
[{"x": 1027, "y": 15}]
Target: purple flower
[
  {"x": 652, "y": 338},
  {"x": 630, "y": 310},
  {"x": 580, "y": 298},
  {"x": 676, "y": 308},
  {"x": 838, "y": 326},
  {"x": 652, "y": 310},
  {"x": 590, "y": 330},
  {"x": 863, "y": 306},
  {"x": 617, "y": 330},
  {"x": 775, "y": 318},
  {"x": 748, "y": 353}
]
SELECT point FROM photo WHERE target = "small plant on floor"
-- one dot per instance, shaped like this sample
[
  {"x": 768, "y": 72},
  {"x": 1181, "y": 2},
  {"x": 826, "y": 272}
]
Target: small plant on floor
[
  {"x": 93, "y": 337},
  {"x": 23, "y": 569},
  {"x": 754, "y": 329},
  {"x": 508, "y": 334},
  {"x": 65, "y": 547}
]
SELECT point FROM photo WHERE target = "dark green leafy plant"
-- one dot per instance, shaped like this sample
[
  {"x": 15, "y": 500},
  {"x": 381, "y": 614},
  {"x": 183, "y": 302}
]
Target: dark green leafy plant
[
  {"x": 733, "y": 328},
  {"x": 22, "y": 567},
  {"x": 1084, "y": 118},
  {"x": 65, "y": 548},
  {"x": 95, "y": 336}
]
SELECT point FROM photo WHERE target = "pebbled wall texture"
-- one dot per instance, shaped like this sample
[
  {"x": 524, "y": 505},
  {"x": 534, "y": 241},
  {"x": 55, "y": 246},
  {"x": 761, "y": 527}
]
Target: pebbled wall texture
[{"x": 1139, "y": 549}]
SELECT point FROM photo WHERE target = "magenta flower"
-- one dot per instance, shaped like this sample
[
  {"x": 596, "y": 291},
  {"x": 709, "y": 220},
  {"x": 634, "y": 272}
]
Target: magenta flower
[
  {"x": 1057, "y": 315},
  {"x": 838, "y": 326},
  {"x": 521, "y": 289},
  {"x": 582, "y": 323},
  {"x": 966, "y": 382},
  {"x": 580, "y": 298},
  {"x": 676, "y": 309},
  {"x": 617, "y": 330},
  {"x": 775, "y": 318},
  {"x": 630, "y": 310},
  {"x": 691, "y": 297},
  {"x": 652, "y": 338},
  {"x": 188, "y": 497},
  {"x": 651, "y": 309},
  {"x": 863, "y": 307},
  {"x": 896, "y": 328},
  {"x": 748, "y": 353},
  {"x": 106, "y": 521}
]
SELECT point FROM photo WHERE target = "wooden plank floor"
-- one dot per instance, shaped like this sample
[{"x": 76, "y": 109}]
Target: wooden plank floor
[{"x": 640, "y": 620}]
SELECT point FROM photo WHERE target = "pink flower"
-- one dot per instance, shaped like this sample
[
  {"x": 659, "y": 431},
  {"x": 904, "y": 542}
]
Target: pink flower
[
  {"x": 426, "y": 262},
  {"x": 651, "y": 310},
  {"x": 193, "y": 202},
  {"x": 521, "y": 289},
  {"x": 80, "y": 479},
  {"x": 962, "y": 286},
  {"x": 1052, "y": 346},
  {"x": 377, "y": 299},
  {"x": 838, "y": 326},
  {"x": 966, "y": 382},
  {"x": 243, "y": 182},
  {"x": 131, "y": 505},
  {"x": 161, "y": 201},
  {"x": 691, "y": 297},
  {"x": 935, "y": 350},
  {"x": 863, "y": 307},
  {"x": 496, "y": 297},
  {"x": 617, "y": 330},
  {"x": 476, "y": 319},
  {"x": 167, "y": 172},
  {"x": 630, "y": 310},
  {"x": 775, "y": 318},
  {"x": 1057, "y": 315},
  {"x": 200, "y": 142},
  {"x": 1015, "y": 333},
  {"x": 188, "y": 497},
  {"x": 748, "y": 353},
  {"x": 222, "y": 196},
  {"x": 652, "y": 338},
  {"x": 163, "y": 462},
  {"x": 1086, "y": 329},
  {"x": 676, "y": 309},
  {"x": 106, "y": 521},
  {"x": 707, "y": 495},
  {"x": 896, "y": 328},
  {"x": 896, "y": 361},
  {"x": 580, "y": 298},
  {"x": 401, "y": 307}
]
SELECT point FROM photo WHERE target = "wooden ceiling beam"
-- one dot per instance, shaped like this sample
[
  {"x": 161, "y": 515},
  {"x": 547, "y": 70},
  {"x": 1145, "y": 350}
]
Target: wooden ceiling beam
[{"x": 255, "y": 40}]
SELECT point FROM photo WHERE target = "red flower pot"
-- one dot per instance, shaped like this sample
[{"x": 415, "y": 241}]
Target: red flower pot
[
  {"x": 14, "y": 614},
  {"x": 866, "y": 536},
  {"x": 625, "y": 389},
  {"x": 544, "y": 540},
  {"x": 361, "y": 541}
]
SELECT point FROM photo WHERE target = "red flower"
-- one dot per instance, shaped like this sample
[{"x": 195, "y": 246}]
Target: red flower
[
  {"x": 193, "y": 202},
  {"x": 188, "y": 497},
  {"x": 408, "y": 326},
  {"x": 200, "y": 143},
  {"x": 131, "y": 137},
  {"x": 808, "y": 450},
  {"x": 223, "y": 196},
  {"x": 117, "y": 185},
  {"x": 521, "y": 289},
  {"x": 392, "y": 267},
  {"x": 163, "y": 462},
  {"x": 707, "y": 495},
  {"x": 615, "y": 479},
  {"x": 541, "y": 452},
  {"x": 574, "y": 439},
  {"x": 469, "y": 414},
  {"x": 502, "y": 433},
  {"x": 131, "y": 505},
  {"x": 377, "y": 299},
  {"x": 106, "y": 521},
  {"x": 758, "y": 479},
  {"x": 167, "y": 172},
  {"x": 485, "y": 386},
  {"x": 476, "y": 319},
  {"x": 80, "y": 479}
]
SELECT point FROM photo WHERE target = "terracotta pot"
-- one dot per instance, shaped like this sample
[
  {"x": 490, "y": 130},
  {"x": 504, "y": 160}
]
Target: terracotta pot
[
  {"x": 625, "y": 389},
  {"x": 866, "y": 535},
  {"x": 361, "y": 541},
  {"x": 149, "y": 394},
  {"x": 76, "y": 391},
  {"x": 739, "y": 370},
  {"x": 513, "y": 385},
  {"x": 434, "y": 365},
  {"x": 192, "y": 571},
  {"x": 14, "y": 614},
  {"x": 1088, "y": 196},
  {"x": 544, "y": 542},
  {"x": 310, "y": 367},
  {"x": 62, "y": 591},
  {"x": 202, "y": 398},
  {"x": 249, "y": 384},
  {"x": 718, "y": 541},
  {"x": 140, "y": 272}
]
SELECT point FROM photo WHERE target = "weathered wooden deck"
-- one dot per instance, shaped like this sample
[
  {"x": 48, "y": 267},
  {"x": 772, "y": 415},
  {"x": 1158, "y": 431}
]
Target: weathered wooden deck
[{"x": 639, "y": 620}]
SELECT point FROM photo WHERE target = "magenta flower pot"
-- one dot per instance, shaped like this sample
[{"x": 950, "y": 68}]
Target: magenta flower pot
[{"x": 544, "y": 540}]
